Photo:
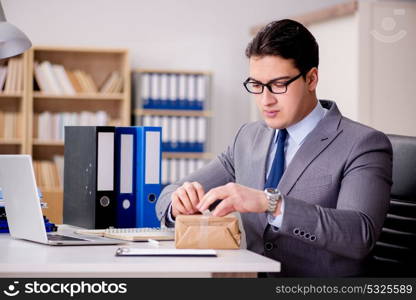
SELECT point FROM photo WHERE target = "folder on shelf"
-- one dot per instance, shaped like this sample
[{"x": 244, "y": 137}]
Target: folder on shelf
[
  {"x": 183, "y": 99},
  {"x": 142, "y": 82},
  {"x": 164, "y": 90},
  {"x": 154, "y": 91},
  {"x": 200, "y": 92},
  {"x": 174, "y": 134},
  {"x": 183, "y": 135},
  {"x": 173, "y": 92},
  {"x": 89, "y": 194},
  {"x": 165, "y": 132},
  {"x": 192, "y": 133},
  {"x": 138, "y": 175},
  {"x": 201, "y": 135},
  {"x": 191, "y": 88}
]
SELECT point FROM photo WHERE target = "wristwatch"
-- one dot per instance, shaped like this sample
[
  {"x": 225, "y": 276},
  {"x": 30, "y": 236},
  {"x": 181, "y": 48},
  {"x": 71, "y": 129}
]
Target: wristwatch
[{"x": 273, "y": 196}]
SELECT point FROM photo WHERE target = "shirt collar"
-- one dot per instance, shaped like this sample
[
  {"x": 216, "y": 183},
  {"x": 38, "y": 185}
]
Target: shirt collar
[{"x": 300, "y": 130}]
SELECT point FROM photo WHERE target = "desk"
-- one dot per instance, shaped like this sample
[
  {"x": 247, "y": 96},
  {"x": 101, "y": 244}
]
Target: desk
[{"x": 20, "y": 258}]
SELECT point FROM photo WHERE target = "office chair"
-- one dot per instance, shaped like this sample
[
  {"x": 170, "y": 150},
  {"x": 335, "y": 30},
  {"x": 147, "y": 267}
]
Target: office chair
[{"x": 395, "y": 252}]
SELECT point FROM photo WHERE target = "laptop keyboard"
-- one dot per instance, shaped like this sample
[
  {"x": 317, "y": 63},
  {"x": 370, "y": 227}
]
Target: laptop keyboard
[{"x": 57, "y": 237}]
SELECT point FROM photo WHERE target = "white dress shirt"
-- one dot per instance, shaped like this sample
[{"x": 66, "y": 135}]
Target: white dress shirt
[{"x": 295, "y": 138}]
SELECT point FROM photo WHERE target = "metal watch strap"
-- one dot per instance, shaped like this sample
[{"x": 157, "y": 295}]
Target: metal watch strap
[{"x": 273, "y": 196}]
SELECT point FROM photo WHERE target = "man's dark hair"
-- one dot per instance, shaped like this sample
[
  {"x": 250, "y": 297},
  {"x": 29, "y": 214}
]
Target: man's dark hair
[{"x": 288, "y": 39}]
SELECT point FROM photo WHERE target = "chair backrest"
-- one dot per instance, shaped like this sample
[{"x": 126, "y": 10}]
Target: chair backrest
[{"x": 395, "y": 251}]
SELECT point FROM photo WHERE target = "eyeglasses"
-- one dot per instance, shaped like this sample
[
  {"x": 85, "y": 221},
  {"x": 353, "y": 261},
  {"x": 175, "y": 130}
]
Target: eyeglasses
[{"x": 275, "y": 86}]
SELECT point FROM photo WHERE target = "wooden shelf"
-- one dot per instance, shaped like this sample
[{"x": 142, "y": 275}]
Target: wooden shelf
[
  {"x": 11, "y": 95},
  {"x": 13, "y": 141},
  {"x": 189, "y": 155},
  {"x": 99, "y": 64},
  {"x": 159, "y": 71},
  {"x": 81, "y": 49},
  {"x": 46, "y": 189},
  {"x": 94, "y": 96},
  {"x": 172, "y": 112},
  {"x": 48, "y": 143}
]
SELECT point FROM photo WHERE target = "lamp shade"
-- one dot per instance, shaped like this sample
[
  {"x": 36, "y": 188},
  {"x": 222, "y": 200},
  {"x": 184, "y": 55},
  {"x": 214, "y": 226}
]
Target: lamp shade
[{"x": 12, "y": 40}]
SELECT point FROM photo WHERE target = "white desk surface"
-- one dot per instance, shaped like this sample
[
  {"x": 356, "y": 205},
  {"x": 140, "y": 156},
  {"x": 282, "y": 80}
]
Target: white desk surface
[{"x": 19, "y": 258}]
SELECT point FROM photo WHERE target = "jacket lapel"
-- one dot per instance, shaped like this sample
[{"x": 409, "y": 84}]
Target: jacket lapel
[
  {"x": 314, "y": 144},
  {"x": 262, "y": 142}
]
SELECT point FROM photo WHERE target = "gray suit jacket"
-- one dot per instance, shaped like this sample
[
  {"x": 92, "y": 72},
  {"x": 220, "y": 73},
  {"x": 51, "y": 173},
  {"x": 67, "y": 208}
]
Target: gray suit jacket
[{"x": 336, "y": 191}]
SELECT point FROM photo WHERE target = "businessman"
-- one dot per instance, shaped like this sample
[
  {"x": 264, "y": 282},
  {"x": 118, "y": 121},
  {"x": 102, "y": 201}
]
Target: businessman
[{"x": 312, "y": 186}]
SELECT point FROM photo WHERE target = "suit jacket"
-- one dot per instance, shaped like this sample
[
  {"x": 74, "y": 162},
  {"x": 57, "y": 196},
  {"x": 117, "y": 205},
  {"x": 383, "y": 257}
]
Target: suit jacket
[{"x": 336, "y": 191}]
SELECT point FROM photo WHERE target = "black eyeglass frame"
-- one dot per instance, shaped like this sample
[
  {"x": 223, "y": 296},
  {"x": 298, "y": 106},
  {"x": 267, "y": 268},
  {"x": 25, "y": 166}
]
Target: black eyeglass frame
[{"x": 268, "y": 85}]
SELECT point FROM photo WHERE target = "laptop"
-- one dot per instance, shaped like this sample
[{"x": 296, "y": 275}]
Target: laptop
[{"x": 23, "y": 209}]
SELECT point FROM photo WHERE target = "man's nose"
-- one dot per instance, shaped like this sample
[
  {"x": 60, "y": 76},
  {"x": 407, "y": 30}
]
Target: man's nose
[{"x": 268, "y": 98}]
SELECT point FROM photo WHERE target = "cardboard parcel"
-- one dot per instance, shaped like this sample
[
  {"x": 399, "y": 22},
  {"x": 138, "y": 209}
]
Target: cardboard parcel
[{"x": 207, "y": 232}]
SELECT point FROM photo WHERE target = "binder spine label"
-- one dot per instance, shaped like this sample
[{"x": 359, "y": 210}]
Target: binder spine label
[
  {"x": 152, "y": 157},
  {"x": 105, "y": 161}
]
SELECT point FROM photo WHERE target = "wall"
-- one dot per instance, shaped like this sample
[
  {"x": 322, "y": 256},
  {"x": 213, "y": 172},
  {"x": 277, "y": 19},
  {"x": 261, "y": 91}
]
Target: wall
[
  {"x": 368, "y": 64},
  {"x": 338, "y": 66}
]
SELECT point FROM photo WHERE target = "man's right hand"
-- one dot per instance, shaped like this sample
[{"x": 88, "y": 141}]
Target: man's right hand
[{"x": 186, "y": 198}]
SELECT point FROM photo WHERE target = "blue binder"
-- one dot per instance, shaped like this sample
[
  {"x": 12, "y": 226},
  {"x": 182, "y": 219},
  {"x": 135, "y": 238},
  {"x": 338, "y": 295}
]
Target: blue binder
[{"x": 138, "y": 175}]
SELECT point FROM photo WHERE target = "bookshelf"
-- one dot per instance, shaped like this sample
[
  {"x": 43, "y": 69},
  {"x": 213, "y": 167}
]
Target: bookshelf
[
  {"x": 179, "y": 102},
  {"x": 98, "y": 94},
  {"x": 13, "y": 109}
]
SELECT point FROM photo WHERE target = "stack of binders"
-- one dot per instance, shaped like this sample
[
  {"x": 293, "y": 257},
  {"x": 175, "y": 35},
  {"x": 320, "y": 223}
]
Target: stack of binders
[
  {"x": 170, "y": 90},
  {"x": 112, "y": 176}
]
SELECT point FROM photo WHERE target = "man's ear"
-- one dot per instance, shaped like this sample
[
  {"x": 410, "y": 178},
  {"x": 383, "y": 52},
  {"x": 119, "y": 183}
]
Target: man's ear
[{"x": 312, "y": 79}]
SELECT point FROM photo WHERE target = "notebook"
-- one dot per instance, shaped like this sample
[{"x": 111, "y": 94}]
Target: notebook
[{"x": 132, "y": 234}]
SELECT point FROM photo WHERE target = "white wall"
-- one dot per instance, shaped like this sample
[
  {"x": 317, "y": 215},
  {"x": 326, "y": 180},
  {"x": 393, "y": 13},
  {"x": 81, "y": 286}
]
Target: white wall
[
  {"x": 181, "y": 34},
  {"x": 338, "y": 66}
]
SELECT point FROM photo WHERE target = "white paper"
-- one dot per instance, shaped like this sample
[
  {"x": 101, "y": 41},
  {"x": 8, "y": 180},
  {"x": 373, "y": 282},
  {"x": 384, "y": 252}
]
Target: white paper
[
  {"x": 105, "y": 161},
  {"x": 126, "y": 163},
  {"x": 152, "y": 157}
]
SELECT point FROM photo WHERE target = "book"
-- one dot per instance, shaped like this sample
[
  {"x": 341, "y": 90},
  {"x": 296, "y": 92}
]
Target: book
[
  {"x": 10, "y": 76},
  {"x": 74, "y": 81},
  {"x": 19, "y": 75},
  {"x": 63, "y": 80},
  {"x": 40, "y": 79},
  {"x": 52, "y": 84},
  {"x": 132, "y": 234},
  {"x": 3, "y": 75}
]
